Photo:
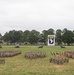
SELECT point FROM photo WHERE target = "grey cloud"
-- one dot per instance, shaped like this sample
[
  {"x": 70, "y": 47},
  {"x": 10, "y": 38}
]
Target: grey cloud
[{"x": 36, "y": 14}]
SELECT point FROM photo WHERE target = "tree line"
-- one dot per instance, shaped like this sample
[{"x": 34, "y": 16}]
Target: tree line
[{"x": 34, "y": 37}]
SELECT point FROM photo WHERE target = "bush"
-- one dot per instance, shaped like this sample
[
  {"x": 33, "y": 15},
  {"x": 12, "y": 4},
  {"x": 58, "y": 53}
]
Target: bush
[
  {"x": 41, "y": 46},
  {"x": 17, "y": 46}
]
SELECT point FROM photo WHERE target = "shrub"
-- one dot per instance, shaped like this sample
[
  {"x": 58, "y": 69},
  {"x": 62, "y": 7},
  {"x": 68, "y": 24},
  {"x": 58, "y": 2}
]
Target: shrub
[{"x": 17, "y": 46}]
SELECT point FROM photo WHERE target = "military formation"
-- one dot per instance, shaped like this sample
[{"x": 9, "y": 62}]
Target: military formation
[
  {"x": 34, "y": 55},
  {"x": 69, "y": 54},
  {"x": 9, "y": 53},
  {"x": 60, "y": 58}
]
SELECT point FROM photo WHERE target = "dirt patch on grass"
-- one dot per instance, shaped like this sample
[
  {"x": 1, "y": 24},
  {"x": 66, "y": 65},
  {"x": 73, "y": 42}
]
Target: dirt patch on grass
[
  {"x": 60, "y": 67},
  {"x": 71, "y": 60}
]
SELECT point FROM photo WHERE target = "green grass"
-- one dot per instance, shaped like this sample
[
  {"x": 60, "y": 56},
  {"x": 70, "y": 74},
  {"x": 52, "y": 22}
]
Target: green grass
[{"x": 19, "y": 65}]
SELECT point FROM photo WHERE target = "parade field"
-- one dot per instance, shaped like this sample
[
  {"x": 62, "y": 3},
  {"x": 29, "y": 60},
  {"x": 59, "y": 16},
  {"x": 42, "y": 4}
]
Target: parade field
[{"x": 19, "y": 65}]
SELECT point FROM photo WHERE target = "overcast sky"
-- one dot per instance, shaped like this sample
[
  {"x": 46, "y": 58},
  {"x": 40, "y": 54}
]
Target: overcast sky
[{"x": 36, "y": 14}]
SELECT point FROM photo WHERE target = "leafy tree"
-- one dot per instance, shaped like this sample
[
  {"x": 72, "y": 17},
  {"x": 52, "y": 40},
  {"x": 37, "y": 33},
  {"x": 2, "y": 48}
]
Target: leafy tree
[
  {"x": 0, "y": 35},
  {"x": 64, "y": 30},
  {"x": 41, "y": 39},
  {"x": 6, "y": 37},
  {"x": 44, "y": 32},
  {"x": 26, "y": 35},
  {"x": 12, "y": 36},
  {"x": 67, "y": 37},
  {"x": 59, "y": 36},
  {"x": 21, "y": 36},
  {"x": 73, "y": 36},
  {"x": 73, "y": 31},
  {"x": 50, "y": 31},
  {"x": 0, "y": 38},
  {"x": 34, "y": 37}
]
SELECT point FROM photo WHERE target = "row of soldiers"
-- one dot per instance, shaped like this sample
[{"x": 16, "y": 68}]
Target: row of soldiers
[
  {"x": 59, "y": 60},
  {"x": 9, "y": 53},
  {"x": 34, "y": 55},
  {"x": 63, "y": 54}
]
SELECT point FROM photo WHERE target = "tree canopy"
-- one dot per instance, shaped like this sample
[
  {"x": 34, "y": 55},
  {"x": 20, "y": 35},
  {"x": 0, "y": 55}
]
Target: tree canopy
[{"x": 33, "y": 37}]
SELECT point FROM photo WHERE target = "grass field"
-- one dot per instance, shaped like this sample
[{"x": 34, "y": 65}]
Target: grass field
[{"x": 19, "y": 65}]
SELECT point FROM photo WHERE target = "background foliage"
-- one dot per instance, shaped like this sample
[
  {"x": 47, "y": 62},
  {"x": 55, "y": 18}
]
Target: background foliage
[{"x": 34, "y": 37}]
